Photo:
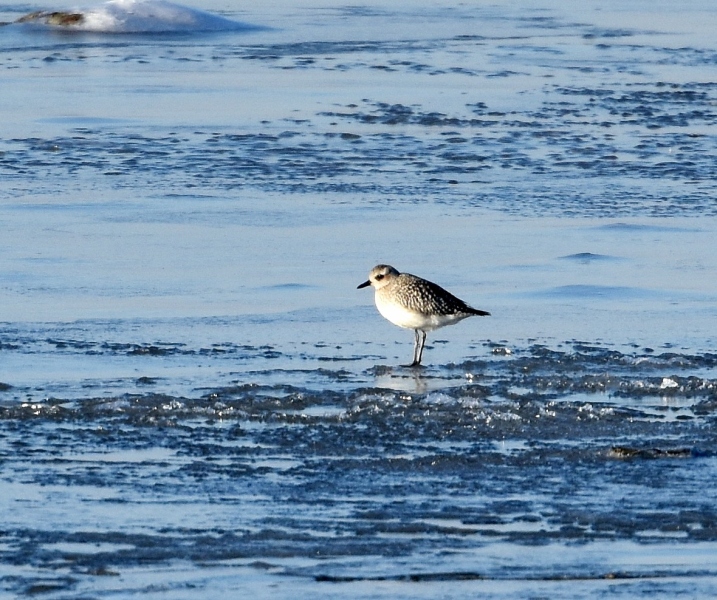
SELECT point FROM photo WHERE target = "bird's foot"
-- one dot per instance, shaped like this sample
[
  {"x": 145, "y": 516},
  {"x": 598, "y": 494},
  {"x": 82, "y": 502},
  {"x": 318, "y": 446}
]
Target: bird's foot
[{"x": 413, "y": 365}]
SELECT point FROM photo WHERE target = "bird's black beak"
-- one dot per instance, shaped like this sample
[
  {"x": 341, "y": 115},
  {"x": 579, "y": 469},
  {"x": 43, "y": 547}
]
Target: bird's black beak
[{"x": 364, "y": 284}]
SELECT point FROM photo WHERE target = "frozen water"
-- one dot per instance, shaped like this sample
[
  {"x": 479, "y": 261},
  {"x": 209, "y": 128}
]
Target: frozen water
[
  {"x": 132, "y": 16},
  {"x": 194, "y": 398}
]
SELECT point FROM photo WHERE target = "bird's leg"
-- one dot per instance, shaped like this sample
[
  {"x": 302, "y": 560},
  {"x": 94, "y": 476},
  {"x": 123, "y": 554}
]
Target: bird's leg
[
  {"x": 418, "y": 348},
  {"x": 422, "y": 334}
]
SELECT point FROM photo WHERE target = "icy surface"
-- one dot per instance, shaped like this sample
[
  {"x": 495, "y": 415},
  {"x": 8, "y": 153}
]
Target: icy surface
[
  {"x": 195, "y": 399},
  {"x": 132, "y": 16}
]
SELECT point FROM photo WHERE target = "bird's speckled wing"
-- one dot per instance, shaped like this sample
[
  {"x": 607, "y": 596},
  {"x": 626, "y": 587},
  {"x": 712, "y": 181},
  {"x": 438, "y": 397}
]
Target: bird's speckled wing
[{"x": 425, "y": 297}]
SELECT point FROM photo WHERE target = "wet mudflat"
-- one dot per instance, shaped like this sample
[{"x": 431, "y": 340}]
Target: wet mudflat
[{"x": 195, "y": 398}]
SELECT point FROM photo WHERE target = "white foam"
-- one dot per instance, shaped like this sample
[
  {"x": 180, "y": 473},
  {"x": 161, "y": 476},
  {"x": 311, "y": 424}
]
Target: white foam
[{"x": 149, "y": 16}]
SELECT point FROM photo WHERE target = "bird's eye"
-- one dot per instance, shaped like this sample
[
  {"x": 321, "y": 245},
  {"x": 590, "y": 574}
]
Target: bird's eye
[{"x": 379, "y": 277}]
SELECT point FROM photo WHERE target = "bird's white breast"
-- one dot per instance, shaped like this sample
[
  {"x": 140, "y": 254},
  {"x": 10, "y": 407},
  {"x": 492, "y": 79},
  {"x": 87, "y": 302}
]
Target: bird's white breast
[{"x": 401, "y": 316}]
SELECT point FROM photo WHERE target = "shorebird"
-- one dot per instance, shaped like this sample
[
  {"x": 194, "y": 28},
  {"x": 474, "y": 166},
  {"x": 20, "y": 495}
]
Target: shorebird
[{"x": 414, "y": 303}]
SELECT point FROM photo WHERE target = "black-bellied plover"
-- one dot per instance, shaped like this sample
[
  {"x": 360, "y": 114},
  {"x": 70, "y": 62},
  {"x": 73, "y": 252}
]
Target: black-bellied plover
[{"x": 414, "y": 303}]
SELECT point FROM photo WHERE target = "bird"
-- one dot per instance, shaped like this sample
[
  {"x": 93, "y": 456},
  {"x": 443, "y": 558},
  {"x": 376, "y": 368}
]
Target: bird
[{"x": 414, "y": 303}]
